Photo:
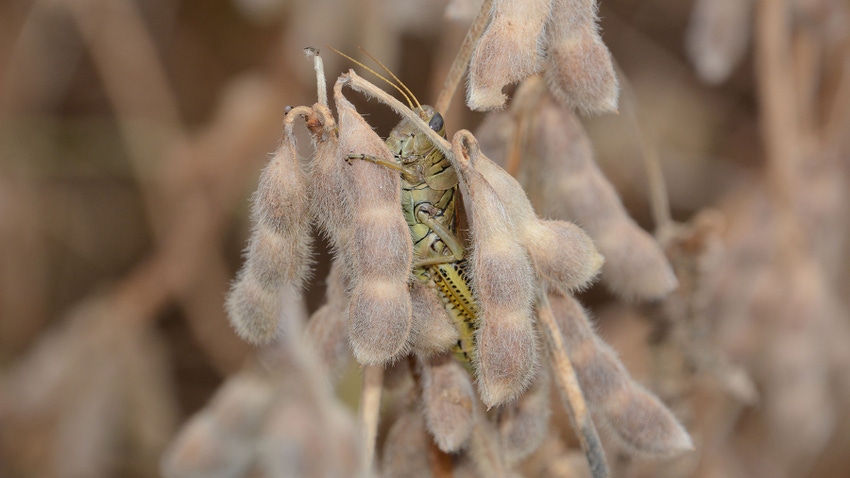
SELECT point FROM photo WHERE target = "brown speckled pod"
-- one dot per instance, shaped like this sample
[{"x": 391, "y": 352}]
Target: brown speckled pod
[
  {"x": 508, "y": 51},
  {"x": 378, "y": 249},
  {"x": 448, "y": 401},
  {"x": 579, "y": 68},
  {"x": 278, "y": 256},
  {"x": 637, "y": 418},
  {"x": 503, "y": 281},
  {"x": 576, "y": 190}
]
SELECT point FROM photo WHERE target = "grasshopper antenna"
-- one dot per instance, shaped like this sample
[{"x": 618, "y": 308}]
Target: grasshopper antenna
[
  {"x": 392, "y": 75},
  {"x": 410, "y": 103}
]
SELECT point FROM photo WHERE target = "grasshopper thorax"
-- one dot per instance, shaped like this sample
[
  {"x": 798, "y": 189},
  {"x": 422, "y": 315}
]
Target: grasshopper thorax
[{"x": 408, "y": 143}]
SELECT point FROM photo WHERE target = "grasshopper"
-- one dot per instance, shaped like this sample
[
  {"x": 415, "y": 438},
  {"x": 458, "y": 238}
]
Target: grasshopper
[
  {"x": 429, "y": 196},
  {"x": 429, "y": 193}
]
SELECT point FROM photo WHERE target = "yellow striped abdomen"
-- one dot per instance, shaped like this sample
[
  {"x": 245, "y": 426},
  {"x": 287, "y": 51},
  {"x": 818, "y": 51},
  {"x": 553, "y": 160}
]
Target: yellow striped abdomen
[{"x": 451, "y": 284}]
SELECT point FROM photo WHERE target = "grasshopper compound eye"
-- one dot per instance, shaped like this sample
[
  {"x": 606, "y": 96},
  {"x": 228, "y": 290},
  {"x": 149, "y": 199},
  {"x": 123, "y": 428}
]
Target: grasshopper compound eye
[{"x": 436, "y": 122}]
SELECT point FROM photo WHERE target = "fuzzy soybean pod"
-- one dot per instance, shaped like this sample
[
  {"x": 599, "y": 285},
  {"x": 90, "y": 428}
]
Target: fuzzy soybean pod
[
  {"x": 448, "y": 400},
  {"x": 378, "y": 250},
  {"x": 562, "y": 252},
  {"x": 326, "y": 329},
  {"x": 579, "y": 69},
  {"x": 405, "y": 453},
  {"x": 635, "y": 265},
  {"x": 278, "y": 255},
  {"x": 523, "y": 424},
  {"x": 508, "y": 51},
  {"x": 503, "y": 282},
  {"x": 638, "y": 419},
  {"x": 433, "y": 331},
  {"x": 330, "y": 195},
  {"x": 220, "y": 440}
]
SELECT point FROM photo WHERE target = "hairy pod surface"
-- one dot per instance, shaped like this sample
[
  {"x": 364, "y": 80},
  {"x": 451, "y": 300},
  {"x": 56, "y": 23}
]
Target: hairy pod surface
[
  {"x": 278, "y": 256},
  {"x": 523, "y": 424},
  {"x": 579, "y": 69},
  {"x": 433, "y": 331},
  {"x": 330, "y": 195},
  {"x": 509, "y": 50},
  {"x": 635, "y": 265},
  {"x": 326, "y": 328},
  {"x": 378, "y": 248},
  {"x": 637, "y": 418},
  {"x": 379, "y": 319},
  {"x": 503, "y": 284},
  {"x": 562, "y": 253},
  {"x": 448, "y": 401}
]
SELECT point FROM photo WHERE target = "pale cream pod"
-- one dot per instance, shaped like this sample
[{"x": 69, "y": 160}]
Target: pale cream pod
[
  {"x": 278, "y": 257},
  {"x": 378, "y": 250},
  {"x": 523, "y": 424},
  {"x": 509, "y": 51},
  {"x": 448, "y": 401},
  {"x": 503, "y": 283},
  {"x": 326, "y": 329},
  {"x": 576, "y": 190},
  {"x": 579, "y": 69},
  {"x": 638, "y": 419},
  {"x": 433, "y": 331},
  {"x": 562, "y": 253}
]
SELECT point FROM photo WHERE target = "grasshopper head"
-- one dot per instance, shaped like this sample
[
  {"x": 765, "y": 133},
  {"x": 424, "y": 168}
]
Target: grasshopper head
[{"x": 408, "y": 142}]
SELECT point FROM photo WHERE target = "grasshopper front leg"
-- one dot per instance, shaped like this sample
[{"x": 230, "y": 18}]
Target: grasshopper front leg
[{"x": 387, "y": 163}]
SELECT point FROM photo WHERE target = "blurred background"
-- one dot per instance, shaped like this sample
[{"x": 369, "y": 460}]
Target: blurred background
[{"x": 132, "y": 133}]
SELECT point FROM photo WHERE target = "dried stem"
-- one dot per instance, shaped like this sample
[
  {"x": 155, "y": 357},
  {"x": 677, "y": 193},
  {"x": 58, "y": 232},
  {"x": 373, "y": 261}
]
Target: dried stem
[
  {"x": 565, "y": 378},
  {"x": 321, "y": 84},
  {"x": 370, "y": 406},
  {"x": 525, "y": 119},
  {"x": 461, "y": 61},
  {"x": 658, "y": 198},
  {"x": 838, "y": 111},
  {"x": 780, "y": 118}
]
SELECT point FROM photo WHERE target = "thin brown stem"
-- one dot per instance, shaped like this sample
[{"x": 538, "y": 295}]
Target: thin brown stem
[
  {"x": 838, "y": 113},
  {"x": 461, "y": 61},
  {"x": 658, "y": 197},
  {"x": 370, "y": 406},
  {"x": 777, "y": 96},
  {"x": 524, "y": 118},
  {"x": 321, "y": 84},
  {"x": 570, "y": 391}
]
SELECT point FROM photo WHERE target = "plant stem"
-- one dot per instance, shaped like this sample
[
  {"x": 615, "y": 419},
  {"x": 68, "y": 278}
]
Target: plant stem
[
  {"x": 570, "y": 391},
  {"x": 370, "y": 406},
  {"x": 461, "y": 61}
]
